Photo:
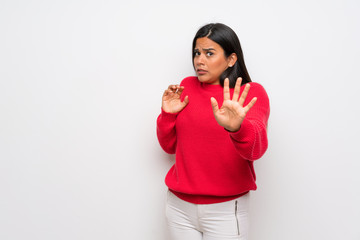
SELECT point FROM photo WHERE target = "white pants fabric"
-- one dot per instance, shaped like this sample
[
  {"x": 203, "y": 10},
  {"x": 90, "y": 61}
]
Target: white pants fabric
[{"x": 218, "y": 221}]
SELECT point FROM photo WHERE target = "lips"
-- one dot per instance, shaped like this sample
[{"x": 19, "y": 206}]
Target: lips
[{"x": 201, "y": 71}]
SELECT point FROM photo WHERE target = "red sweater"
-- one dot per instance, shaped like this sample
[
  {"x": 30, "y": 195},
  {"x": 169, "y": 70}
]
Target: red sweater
[{"x": 212, "y": 165}]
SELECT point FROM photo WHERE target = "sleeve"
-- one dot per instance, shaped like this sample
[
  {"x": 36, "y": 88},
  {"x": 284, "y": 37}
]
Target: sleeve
[
  {"x": 166, "y": 124},
  {"x": 166, "y": 131},
  {"x": 251, "y": 139}
]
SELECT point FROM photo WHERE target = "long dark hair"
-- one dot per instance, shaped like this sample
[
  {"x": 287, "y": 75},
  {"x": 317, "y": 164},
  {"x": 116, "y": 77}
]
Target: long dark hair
[{"x": 228, "y": 40}]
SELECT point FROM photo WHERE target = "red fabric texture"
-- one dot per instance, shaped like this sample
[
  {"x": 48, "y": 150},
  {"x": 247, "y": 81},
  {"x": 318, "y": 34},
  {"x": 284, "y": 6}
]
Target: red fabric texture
[{"x": 212, "y": 165}]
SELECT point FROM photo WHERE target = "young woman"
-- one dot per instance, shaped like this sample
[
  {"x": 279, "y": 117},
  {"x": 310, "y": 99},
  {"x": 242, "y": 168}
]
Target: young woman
[{"x": 216, "y": 124}]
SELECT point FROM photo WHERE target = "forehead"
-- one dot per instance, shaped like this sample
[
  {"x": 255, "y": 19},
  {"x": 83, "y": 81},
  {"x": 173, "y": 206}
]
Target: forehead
[{"x": 206, "y": 43}]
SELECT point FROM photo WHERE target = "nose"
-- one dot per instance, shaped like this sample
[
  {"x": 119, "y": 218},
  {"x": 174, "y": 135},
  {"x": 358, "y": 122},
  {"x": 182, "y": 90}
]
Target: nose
[{"x": 199, "y": 60}]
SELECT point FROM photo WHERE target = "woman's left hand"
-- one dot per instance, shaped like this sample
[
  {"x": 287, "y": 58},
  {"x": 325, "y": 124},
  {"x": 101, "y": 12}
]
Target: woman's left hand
[{"x": 232, "y": 112}]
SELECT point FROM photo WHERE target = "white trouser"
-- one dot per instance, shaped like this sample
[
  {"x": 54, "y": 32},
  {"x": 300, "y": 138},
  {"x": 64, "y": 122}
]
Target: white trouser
[{"x": 218, "y": 221}]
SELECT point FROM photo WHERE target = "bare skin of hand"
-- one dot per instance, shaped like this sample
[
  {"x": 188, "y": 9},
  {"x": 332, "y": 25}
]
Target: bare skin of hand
[
  {"x": 232, "y": 112},
  {"x": 171, "y": 102}
]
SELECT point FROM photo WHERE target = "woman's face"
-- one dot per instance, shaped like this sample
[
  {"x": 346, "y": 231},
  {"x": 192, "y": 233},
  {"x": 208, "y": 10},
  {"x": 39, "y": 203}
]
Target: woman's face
[{"x": 210, "y": 61}]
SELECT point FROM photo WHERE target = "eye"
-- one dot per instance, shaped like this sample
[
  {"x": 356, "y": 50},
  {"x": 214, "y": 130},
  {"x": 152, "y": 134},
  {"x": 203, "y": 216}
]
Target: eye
[
  {"x": 196, "y": 53},
  {"x": 209, "y": 54}
]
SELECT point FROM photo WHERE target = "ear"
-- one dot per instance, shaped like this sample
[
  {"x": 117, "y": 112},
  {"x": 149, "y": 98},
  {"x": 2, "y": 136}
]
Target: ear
[{"x": 232, "y": 59}]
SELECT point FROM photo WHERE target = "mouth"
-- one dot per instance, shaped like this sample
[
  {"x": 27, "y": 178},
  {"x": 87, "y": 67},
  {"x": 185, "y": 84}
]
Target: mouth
[{"x": 201, "y": 71}]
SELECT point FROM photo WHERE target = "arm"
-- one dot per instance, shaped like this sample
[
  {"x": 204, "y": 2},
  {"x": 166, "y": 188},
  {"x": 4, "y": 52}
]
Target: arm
[
  {"x": 171, "y": 106},
  {"x": 166, "y": 132},
  {"x": 251, "y": 139},
  {"x": 245, "y": 120}
]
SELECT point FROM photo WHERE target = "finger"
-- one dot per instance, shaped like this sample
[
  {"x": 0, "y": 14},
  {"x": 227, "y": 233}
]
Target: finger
[
  {"x": 226, "y": 89},
  {"x": 237, "y": 89},
  {"x": 186, "y": 101},
  {"x": 244, "y": 94},
  {"x": 214, "y": 105},
  {"x": 173, "y": 88},
  {"x": 166, "y": 93},
  {"x": 169, "y": 92},
  {"x": 180, "y": 89},
  {"x": 250, "y": 105}
]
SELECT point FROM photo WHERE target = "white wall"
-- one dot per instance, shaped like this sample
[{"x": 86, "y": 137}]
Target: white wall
[{"x": 80, "y": 90}]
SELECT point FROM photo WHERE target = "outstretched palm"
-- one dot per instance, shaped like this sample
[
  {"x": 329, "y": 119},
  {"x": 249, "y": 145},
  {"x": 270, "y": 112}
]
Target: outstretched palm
[{"x": 232, "y": 112}]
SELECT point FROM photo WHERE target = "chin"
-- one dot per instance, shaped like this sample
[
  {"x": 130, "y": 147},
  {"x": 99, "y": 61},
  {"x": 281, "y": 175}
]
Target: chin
[
  {"x": 203, "y": 79},
  {"x": 206, "y": 80}
]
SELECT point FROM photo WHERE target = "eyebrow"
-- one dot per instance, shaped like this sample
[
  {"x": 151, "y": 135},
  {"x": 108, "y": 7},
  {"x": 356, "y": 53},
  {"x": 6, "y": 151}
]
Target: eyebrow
[{"x": 205, "y": 49}]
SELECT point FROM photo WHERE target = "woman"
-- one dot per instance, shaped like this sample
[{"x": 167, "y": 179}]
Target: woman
[{"x": 215, "y": 146}]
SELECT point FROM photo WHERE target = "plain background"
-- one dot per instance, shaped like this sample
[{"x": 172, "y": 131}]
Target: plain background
[{"x": 80, "y": 91}]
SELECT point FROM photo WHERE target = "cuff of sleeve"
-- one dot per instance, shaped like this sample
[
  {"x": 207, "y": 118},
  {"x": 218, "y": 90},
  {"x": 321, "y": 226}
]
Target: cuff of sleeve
[
  {"x": 168, "y": 116},
  {"x": 246, "y": 126}
]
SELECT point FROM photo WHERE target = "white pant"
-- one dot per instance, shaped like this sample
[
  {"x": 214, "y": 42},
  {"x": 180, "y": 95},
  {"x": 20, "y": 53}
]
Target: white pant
[{"x": 218, "y": 221}]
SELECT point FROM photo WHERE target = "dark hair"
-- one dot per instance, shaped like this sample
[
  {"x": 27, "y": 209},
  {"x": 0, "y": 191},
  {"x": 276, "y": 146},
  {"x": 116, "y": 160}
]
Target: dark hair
[{"x": 228, "y": 40}]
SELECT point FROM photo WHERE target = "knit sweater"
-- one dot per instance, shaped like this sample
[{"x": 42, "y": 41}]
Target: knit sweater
[{"x": 212, "y": 165}]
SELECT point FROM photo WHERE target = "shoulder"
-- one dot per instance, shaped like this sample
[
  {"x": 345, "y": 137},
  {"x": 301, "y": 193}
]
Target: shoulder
[
  {"x": 258, "y": 89},
  {"x": 256, "y": 85},
  {"x": 190, "y": 81}
]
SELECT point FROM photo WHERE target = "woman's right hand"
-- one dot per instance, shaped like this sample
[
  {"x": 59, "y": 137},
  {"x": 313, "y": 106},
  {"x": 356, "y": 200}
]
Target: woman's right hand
[{"x": 171, "y": 102}]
